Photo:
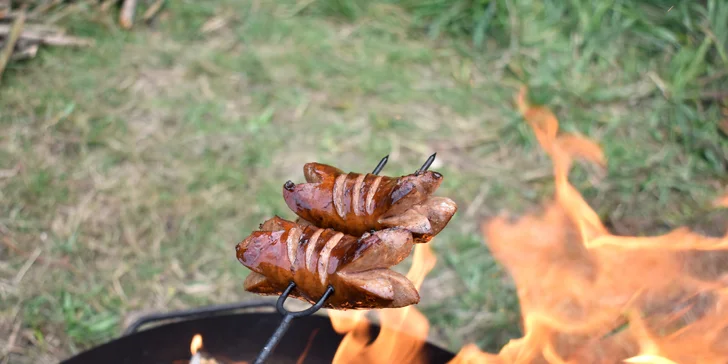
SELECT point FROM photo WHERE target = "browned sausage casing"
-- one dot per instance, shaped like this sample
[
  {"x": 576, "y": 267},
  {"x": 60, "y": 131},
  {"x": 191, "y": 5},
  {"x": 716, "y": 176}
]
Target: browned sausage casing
[
  {"x": 357, "y": 203},
  {"x": 357, "y": 268}
]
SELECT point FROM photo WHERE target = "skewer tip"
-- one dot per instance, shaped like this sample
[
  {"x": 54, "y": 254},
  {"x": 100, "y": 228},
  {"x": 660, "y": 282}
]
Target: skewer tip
[
  {"x": 381, "y": 164},
  {"x": 427, "y": 163}
]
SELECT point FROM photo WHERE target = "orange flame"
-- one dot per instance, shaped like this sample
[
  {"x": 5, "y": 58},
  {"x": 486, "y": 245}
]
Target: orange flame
[
  {"x": 588, "y": 296},
  {"x": 403, "y": 330},
  {"x": 722, "y": 201},
  {"x": 196, "y": 344}
]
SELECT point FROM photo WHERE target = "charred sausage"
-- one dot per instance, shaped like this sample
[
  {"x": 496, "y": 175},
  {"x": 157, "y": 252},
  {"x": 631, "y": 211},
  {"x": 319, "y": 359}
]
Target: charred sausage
[
  {"x": 282, "y": 251},
  {"x": 356, "y": 203}
]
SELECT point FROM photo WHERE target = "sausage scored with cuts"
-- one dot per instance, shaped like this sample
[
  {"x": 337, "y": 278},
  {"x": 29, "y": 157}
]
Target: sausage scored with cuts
[
  {"x": 283, "y": 251},
  {"x": 356, "y": 203}
]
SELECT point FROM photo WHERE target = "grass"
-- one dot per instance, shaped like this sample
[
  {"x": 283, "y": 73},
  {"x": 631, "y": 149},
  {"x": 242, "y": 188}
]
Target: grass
[{"x": 136, "y": 166}]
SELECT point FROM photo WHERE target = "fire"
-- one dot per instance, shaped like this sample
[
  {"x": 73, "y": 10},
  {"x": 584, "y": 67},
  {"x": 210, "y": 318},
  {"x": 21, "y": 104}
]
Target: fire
[
  {"x": 722, "y": 202},
  {"x": 403, "y": 330},
  {"x": 199, "y": 356},
  {"x": 588, "y": 296},
  {"x": 196, "y": 344}
]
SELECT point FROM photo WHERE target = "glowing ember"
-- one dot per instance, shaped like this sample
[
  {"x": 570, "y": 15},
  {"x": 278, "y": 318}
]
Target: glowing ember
[
  {"x": 403, "y": 330},
  {"x": 591, "y": 297}
]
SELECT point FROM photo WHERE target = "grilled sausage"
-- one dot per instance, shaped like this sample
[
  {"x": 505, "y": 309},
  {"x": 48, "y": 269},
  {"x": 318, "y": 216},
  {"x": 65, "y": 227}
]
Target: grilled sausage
[
  {"x": 357, "y": 203},
  {"x": 282, "y": 251}
]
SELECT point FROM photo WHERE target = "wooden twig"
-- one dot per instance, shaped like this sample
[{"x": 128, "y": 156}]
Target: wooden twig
[
  {"x": 25, "y": 53},
  {"x": 43, "y": 8},
  {"x": 39, "y": 29},
  {"x": 4, "y": 8},
  {"x": 60, "y": 263},
  {"x": 153, "y": 10},
  {"x": 714, "y": 95},
  {"x": 9, "y": 173},
  {"x": 214, "y": 24},
  {"x": 12, "y": 15},
  {"x": 47, "y": 35},
  {"x": 13, "y": 37},
  {"x": 65, "y": 41},
  {"x": 126, "y": 17},
  {"x": 28, "y": 263},
  {"x": 12, "y": 338},
  {"x": 723, "y": 126},
  {"x": 714, "y": 77},
  {"x": 107, "y": 4}
]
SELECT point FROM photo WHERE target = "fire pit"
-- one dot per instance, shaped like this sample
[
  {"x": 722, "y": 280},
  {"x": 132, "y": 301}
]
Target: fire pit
[
  {"x": 230, "y": 337},
  {"x": 215, "y": 335}
]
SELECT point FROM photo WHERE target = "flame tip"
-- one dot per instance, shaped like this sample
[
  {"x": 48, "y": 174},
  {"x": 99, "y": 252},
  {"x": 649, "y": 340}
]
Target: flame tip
[{"x": 196, "y": 344}]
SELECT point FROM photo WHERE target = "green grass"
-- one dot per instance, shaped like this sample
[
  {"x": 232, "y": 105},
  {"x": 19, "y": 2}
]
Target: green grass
[{"x": 144, "y": 160}]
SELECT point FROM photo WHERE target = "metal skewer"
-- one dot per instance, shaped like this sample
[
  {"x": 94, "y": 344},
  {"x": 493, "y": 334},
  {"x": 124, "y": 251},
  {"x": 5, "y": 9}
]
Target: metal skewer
[
  {"x": 381, "y": 164},
  {"x": 427, "y": 164},
  {"x": 288, "y": 316}
]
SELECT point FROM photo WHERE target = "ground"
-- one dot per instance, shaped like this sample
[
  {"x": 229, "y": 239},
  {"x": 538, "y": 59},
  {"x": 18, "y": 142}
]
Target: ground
[{"x": 129, "y": 171}]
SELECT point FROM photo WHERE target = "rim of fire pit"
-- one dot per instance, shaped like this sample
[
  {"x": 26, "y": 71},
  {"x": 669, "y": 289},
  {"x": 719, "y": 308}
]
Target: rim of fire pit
[{"x": 232, "y": 332}]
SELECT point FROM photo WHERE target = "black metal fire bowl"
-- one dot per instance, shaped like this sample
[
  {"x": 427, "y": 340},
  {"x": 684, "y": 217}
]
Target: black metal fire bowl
[{"x": 228, "y": 336}]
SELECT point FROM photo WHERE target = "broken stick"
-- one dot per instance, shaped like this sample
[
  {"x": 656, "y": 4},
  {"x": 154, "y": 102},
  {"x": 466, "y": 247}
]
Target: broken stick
[
  {"x": 4, "y": 8},
  {"x": 25, "y": 53},
  {"x": 126, "y": 17},
  {"x": 107, "y": 4},
  {"x": 43, "y": 8},
  {"x": 153, "y": 10},
  {"x": 40, "y": 29},
  {"x": 10, "y": 43},
  {"x": 47, "y": 35}
]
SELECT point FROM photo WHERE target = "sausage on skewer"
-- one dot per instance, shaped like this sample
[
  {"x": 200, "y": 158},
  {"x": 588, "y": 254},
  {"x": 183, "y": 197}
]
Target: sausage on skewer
[
  {"x": 282, "y": 251},
  {"x": 356, "y": 203}
]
